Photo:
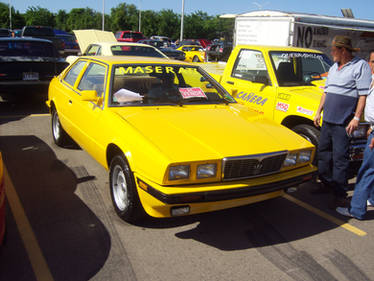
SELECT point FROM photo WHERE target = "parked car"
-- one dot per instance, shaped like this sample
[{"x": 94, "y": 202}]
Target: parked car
[
  {"x": 129, "y": 36},
  {"x": 174, "y": 142},
  {"x": 71, "y": 45},
  {"x": 2, "y": 201},
  {"x": 44, "y": 32},
  {"x": 165, "y": 40},
  {"x": 193, "y": 53},
  {"x": 103, "y": 43},
  {"x": 218, "y": 51},
  {"x": 170, "y": 52},
  {"x": 27, "y": 65},
  {"x": 4, "y": 32}
]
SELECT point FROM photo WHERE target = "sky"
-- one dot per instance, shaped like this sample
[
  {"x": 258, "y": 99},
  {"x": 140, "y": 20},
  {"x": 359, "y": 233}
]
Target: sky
[{"x": 362, "y": 9}]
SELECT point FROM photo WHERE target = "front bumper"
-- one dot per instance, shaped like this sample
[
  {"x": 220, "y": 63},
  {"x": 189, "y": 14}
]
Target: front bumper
[{"x": 158, "y": 201}]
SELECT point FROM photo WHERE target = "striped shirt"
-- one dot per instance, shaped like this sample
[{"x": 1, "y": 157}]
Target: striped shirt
[{"x": 343, "y": 88}]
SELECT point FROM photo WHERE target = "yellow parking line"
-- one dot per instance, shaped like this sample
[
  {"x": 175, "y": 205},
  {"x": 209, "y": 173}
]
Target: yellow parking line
[
  {"x": 21, "y": 116},
  {"x": 37, "y": 260},
  {"x": 324, "y": 215}
]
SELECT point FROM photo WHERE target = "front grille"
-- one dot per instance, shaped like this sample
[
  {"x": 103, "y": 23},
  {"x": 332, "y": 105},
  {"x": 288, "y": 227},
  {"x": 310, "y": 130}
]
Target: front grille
[{"x": 252, "y": 165}]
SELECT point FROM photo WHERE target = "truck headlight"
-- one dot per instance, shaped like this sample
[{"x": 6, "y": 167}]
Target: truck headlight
[
  {"x": 179, "y": 172},
  {"x": 290, "y": 159},
  {"x": 206, "y": 171},
  {"x": 361, "y": 131},
  {"x": 304, "y": 156}
]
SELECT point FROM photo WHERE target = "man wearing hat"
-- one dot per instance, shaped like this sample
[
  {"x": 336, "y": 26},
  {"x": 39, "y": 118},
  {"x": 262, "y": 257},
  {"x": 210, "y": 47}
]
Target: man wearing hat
[{"x": 342, "y": 104}]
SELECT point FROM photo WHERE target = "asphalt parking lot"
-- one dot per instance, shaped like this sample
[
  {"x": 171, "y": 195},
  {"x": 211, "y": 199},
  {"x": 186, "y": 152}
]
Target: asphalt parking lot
[{"x": 61, "y": 225}]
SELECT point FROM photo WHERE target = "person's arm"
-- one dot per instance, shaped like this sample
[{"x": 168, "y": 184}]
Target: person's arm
[
  {"x": 317, "y": 118},
  {"x": 353, "y": 125}
]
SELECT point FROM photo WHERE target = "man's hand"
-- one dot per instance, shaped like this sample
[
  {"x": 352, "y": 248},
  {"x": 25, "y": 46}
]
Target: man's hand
[
  {"x": 352, "y": 126},
  {"x": 317, "y": 120},
  {"x": 371, "y": 145}
]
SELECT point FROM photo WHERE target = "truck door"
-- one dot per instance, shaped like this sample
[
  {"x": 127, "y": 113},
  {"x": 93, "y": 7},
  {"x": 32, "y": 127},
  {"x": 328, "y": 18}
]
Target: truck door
[{"x": 250, "y": 83}]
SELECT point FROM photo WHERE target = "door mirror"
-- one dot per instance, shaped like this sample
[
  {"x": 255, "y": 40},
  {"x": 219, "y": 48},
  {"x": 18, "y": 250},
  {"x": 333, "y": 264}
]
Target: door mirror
[{"x": 89, "y": 95}]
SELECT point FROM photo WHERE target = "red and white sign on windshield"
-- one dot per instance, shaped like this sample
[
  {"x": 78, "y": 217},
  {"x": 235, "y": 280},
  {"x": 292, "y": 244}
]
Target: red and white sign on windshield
[{"x": 188, "y": 93}]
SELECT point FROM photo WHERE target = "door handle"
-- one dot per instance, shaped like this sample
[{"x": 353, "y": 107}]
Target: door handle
[
  {"x": 70, "y": 102},
  {"x": 230, "y": 82}
]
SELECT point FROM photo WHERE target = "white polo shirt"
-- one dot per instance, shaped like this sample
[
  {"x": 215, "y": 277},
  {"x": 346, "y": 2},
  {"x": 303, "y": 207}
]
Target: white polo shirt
[{"x": 369, "y": 107}]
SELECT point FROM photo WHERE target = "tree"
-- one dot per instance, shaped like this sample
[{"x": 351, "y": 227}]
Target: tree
[
  {"x": 39, "y": 16},
  {"x": 61, "y": 20},
  {"x": 169, "y": 24},
  {"x": 124, "y": 17},
  {"x": 194, "y": 25},
  {"x": 80, "y": 18},
  {"x": 150, "y": 22},
  {"x": 18, "y": 20}
]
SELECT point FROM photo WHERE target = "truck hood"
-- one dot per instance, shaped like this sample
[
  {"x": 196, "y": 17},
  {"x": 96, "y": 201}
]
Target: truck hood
[{"x": 192, "y": 133}]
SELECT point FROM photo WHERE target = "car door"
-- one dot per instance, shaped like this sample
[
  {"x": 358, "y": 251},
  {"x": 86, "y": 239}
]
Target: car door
[
  {"x": 88, "y": 114},
  {"x": 250, "y": 82}
]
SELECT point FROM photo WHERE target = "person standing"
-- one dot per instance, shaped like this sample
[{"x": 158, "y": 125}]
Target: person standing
[
  {"x": 363, "y": 194},
  {"x": 342, "y": 104}
]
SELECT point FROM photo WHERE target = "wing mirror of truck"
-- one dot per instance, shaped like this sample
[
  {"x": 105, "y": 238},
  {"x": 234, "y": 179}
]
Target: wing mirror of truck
[{"x": 262, "y": 79}]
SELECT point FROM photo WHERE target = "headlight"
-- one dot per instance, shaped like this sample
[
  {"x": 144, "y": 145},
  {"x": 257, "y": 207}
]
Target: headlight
[
  {"x": 290, "y": 160},
  {"x": 304, "y": 156},
  {"x": 179, "y": 172},
  {"x": 206, "y": 171}
]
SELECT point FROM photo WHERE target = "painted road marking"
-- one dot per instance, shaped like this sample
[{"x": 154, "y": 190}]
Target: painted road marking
[
  {"x": 22, "y": 116},
  {"x": 37, "y": 260},
  {"x": 326, "y": 216}
]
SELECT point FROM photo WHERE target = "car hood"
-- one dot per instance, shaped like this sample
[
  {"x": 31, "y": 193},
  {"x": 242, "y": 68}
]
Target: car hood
[
  {"x": 90, "y": 36},
  {"x": 192, "y": 133}
]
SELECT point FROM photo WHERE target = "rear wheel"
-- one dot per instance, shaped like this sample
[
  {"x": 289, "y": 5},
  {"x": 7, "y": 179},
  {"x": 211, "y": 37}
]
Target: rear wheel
[
  {"x": 123, "y": 191},
  {"x": 309, "y": 133},
  {"x": 60, "y": 137}
]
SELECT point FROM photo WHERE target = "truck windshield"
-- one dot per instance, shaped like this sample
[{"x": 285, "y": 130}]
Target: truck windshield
[
  {"x": 161, "y": 84},
  {"x": 299, "y": 68}
]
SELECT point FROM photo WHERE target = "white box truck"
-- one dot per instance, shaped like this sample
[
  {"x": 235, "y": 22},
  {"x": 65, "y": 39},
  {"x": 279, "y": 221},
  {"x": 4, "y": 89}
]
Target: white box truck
[{"x": 301, "y": 30}]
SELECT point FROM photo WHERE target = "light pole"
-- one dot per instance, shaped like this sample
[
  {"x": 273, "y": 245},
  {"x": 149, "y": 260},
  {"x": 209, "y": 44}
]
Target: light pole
[
  {"x": 10, "y": 16},
  {"x": 181, "y": 37},
  {"x": 103, "y": 18},
  {"x": 140, "y": 16}
]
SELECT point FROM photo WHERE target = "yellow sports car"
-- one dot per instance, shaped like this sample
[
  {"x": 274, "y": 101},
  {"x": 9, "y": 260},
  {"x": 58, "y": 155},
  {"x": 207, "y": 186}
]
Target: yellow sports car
[
  {"x": 193, "y": 53},
  {"x": 174, "y": 141}
]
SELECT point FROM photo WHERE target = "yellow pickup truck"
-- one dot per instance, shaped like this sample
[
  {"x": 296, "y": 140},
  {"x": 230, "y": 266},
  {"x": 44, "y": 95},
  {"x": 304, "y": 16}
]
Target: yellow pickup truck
[{"x": 284, "y": 84}]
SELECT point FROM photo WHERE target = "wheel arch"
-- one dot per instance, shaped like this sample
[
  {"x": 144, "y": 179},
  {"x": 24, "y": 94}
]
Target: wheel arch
[
  {"x": 293, "y": 120},
  {"x": 113, "y": 150}
]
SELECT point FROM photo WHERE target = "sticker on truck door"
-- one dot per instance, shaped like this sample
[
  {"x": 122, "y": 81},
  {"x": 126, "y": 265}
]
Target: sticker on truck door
[{"x": 252, "y": 98}]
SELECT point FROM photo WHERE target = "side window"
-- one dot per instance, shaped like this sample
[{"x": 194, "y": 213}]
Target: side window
[
  {"x": 93, "y": 50},
  {"x": 73, "y": 73},
  {"x": 249, "y": 64},
  {"x": 93, "y": 79}
]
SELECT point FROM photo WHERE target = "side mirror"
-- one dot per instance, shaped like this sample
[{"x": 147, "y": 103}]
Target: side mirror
[
  {"x": 89, "y": 95},
  {"x": 261, "y": 79}
]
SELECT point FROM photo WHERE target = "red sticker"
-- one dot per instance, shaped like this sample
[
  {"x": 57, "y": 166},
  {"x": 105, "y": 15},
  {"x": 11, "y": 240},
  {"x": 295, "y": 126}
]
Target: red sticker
[{"x": 188, "y": 93}]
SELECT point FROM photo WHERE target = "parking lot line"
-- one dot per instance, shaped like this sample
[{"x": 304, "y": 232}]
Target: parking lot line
[
  {"x": 37, "y": 260},
  {"x": 23, "y": 115},
  {"x": 326, "y": 216}
]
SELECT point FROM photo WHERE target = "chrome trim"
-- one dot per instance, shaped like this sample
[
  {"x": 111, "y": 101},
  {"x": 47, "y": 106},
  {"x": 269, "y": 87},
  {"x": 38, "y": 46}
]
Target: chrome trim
[{"x": 259, "y": 157}]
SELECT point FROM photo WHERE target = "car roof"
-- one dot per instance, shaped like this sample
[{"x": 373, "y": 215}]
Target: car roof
[
  {"x": 133, "y": 60},
  {"x": 278, "y": 48},
  {"x": 24, "y": 39}
]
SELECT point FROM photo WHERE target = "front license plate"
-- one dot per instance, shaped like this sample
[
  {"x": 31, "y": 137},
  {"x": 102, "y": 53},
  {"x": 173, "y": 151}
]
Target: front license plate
[{"x": 30, "y": 76}]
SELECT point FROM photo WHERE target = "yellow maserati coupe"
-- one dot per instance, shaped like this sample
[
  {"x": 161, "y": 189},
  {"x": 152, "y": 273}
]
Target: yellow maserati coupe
[{"x": 174, "y": 141}]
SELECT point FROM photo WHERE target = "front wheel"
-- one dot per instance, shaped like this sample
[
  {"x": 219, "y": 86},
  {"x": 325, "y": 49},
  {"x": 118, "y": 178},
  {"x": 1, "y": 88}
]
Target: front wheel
[
  {"x": 123, "y": 191},
  {"x": 60, "y": 137}
]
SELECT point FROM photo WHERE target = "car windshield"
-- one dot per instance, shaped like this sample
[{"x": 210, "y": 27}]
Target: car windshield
[
  {"x": 26, "y": 48},
  {"x": 147, "y": 85},
  {"x": 299, "y": 68},
  {"x": 144, "y": 51}
]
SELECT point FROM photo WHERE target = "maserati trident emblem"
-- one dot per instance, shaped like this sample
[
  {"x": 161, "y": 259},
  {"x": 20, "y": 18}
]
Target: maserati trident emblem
[{"x": 257, "y": 168}]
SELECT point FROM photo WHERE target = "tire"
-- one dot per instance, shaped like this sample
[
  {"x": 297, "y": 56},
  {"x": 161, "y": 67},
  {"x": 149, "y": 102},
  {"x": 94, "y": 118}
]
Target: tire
[
  {"x": 195, "y": 59},
  {"x": 309, "y": 133},
  {"x": 60, "y": 137},
  {"x": 123, "y": 191}
]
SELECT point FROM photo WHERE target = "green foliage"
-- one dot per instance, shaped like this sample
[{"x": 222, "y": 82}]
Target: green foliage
[
  {"x": 123, "y": 17},
  {"x": 39, "y": 16}
]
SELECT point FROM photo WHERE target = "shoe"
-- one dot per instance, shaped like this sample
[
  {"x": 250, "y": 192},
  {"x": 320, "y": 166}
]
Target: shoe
[
  {"x": 339, "y": 202},
  {"x": 344, "y": 212},
  {"x": 369, "y": 204}
]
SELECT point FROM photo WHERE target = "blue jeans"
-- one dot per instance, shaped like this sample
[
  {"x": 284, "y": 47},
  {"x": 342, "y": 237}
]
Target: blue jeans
[
  {"x": 364, "y": 189},
  {"x": 333, "y": 157}
]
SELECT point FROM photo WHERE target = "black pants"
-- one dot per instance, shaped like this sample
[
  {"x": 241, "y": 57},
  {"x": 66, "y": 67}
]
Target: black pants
[{"x": 333, "y": 157}]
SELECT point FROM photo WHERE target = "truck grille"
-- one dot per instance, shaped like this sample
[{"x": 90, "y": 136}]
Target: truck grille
[{"x": 253, "y": 165}]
